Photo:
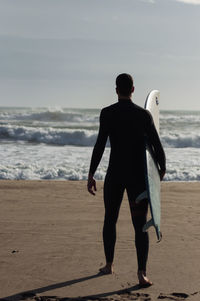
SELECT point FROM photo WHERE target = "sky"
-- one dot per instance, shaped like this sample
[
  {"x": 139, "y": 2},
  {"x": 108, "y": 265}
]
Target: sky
[{"x": 67, "y": 53}]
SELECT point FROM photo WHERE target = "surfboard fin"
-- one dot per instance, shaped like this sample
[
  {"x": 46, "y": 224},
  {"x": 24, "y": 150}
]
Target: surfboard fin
[
  {"x": 159, "y": 235},
  {"x": 141, "y": 196},
  {"x": 158, "y": 232},
  {"x": 147, "y": 225}
]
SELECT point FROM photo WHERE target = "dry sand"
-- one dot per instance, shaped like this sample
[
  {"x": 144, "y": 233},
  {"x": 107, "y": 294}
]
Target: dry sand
[{"x": 51, "y": 244}]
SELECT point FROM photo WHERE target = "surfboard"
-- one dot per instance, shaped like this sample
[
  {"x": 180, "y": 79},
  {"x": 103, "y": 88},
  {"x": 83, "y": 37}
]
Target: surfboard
[{"x": 152, "y": 177}]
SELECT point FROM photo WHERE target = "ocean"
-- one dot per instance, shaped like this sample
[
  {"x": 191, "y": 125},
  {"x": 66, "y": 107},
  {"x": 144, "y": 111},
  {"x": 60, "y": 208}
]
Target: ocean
[{"x": 56, "y": 144}]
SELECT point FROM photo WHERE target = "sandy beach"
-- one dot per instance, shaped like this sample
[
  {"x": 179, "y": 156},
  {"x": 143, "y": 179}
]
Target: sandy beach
[{"x": 51, "y": 244}]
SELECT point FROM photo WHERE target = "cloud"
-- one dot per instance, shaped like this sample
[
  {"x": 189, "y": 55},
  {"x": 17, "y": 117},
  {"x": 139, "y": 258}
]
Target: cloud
[{"x": 193, "y": 2}]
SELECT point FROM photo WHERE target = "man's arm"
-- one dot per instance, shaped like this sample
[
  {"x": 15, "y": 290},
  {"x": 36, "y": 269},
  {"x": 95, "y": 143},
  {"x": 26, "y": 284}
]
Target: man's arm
[
  {"x": 154, "y": 140},
  {"x": 97, "y": 152}
]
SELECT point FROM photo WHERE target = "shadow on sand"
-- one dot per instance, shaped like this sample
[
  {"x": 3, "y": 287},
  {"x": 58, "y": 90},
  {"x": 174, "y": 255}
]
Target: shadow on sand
[{"x": 32, "y": 294}]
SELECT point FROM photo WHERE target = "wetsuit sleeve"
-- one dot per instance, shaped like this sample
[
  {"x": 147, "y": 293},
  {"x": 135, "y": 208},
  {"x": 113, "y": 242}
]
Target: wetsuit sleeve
[
  {"x": 100, "y": 143},
  {"x": 154, "y": 140}
]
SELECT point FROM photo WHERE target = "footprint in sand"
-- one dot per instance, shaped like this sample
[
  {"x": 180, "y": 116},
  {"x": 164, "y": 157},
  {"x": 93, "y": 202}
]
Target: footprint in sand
[
  {"x": 135, "y": 296},
  {"x": 174, "y": 296}
]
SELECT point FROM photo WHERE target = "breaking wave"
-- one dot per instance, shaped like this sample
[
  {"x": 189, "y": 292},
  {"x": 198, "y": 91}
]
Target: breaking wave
[
  {"x": 181, "y": 141},
  {"x": 82, "y": 137},
  {"x": 48, "y": 135}
]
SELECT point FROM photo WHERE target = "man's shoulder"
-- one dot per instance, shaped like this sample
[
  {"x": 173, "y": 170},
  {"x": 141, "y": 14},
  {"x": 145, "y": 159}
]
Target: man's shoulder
[
  {"x": 143, "y": 111},
  {"x": 140, "y": 109},
  {"x": 110, "y": 107},
  {"x": 106, "y": 111}
]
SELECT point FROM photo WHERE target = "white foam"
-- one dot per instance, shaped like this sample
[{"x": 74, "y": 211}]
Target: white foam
[{"x": 33, "y": 162}]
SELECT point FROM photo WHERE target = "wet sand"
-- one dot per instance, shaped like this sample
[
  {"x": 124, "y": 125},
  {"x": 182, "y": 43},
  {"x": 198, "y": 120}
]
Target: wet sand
[{"x": 51, "y": 244}]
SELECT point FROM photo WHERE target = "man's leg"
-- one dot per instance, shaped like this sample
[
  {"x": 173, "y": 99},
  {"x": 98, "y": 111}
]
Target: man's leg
[
  {"x": 139, "y": 219},
  {"x": 113, "y": 194}
]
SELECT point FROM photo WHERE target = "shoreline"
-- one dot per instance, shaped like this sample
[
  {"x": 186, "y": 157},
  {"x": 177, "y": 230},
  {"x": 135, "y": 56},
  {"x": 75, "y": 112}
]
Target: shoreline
[
  {"x": 52, "y": 244},
  {"x": 67, "y": 180}
]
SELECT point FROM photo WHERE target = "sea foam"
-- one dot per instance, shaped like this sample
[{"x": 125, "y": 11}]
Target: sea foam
[{"x": 57, "y": 144}]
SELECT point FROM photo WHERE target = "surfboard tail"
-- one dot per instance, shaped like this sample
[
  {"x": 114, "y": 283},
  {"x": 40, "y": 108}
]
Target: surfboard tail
[{"x": 149, "y": 224}]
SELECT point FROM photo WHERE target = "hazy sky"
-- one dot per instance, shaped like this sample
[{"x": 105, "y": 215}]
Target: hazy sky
[{"x": 67, "y": 53}]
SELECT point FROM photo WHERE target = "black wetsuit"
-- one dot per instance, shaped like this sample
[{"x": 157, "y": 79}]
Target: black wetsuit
[{"x": 127, "y": 126}]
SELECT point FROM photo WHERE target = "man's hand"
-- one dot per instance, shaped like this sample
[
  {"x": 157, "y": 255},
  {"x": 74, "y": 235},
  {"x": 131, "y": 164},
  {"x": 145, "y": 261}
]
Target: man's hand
[
  {"x": 91, "y": 185},
  {"x": 162, "y": 174}
]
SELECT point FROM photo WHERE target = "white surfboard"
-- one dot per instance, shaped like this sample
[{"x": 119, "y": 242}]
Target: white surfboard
[{"x": 152, "y": 177}]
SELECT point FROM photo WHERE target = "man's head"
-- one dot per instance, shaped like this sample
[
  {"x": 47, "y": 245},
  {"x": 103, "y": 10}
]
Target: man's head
[{"x": 124, "y": 85}]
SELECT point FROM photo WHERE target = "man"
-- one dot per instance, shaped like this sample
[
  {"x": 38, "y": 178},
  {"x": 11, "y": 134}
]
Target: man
[{"x": 127, "y": 126}]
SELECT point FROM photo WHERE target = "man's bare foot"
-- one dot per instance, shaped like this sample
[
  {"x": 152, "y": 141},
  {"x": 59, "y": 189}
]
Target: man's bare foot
[
  {"x": 143, "y": 280},
  {"x": 108, "y": 269}
]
